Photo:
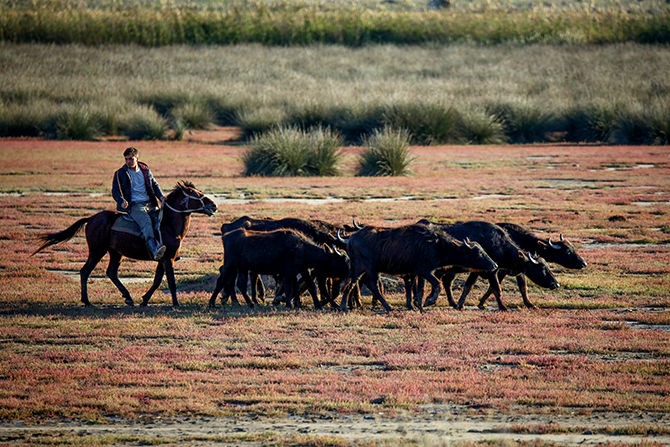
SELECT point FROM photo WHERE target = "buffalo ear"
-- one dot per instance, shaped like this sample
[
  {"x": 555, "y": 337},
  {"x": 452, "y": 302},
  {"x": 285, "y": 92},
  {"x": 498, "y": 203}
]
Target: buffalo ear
[
  {"x": 542, "y": 243},
  {"x": 522, "y": 255}
]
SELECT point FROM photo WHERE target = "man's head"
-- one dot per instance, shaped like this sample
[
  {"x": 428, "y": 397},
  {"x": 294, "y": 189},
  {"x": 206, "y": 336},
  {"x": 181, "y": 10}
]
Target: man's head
[{"x": 131, "y": 155}]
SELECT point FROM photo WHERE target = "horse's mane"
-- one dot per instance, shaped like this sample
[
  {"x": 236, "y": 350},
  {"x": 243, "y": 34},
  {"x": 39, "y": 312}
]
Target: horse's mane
[{"x": 183, "y": 184}]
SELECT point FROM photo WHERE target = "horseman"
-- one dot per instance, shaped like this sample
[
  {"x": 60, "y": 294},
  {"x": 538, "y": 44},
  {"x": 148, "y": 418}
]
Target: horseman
[{"x": 137, "y": 193}]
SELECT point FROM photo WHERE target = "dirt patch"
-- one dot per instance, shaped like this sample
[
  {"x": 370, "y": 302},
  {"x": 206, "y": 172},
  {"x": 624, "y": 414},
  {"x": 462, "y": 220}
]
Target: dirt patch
[{"x": 444, "y": 423}]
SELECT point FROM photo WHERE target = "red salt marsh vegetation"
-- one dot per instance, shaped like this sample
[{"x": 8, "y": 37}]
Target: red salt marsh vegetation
[{"x": 591, "y": 365}]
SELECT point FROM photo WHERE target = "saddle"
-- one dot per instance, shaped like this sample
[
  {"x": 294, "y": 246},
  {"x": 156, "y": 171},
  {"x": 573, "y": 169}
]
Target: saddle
[{"x": 125, "y": 224}]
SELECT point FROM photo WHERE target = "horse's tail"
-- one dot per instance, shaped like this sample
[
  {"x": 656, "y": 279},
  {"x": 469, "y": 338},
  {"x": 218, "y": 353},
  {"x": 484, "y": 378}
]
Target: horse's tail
[{"x": 65, "y": 235}]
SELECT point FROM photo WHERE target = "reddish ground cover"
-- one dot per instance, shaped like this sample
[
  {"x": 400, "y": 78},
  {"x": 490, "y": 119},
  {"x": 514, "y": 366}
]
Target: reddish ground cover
[{"x": 599, "y": 344}]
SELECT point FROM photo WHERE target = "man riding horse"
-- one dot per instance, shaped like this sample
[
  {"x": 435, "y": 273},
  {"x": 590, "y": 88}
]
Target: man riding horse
[{"x": 137, "y": 193}]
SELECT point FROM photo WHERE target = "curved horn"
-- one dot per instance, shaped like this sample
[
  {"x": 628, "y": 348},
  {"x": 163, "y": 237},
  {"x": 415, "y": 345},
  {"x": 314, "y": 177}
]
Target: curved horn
[
  {"x": 561, "y": 236},
  {"x": 468, "y": 244},
  {"x": 534, "y": 260},
  {"x": 339, "y": 238},
  {"x": 337, "y": 251},
  {"x": 358, "y": 227},
  {"x": 552, "y": 245}
]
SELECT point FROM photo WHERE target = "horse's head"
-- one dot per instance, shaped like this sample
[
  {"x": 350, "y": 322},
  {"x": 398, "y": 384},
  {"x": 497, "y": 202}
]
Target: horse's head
[{"x": 185, "y": 198}]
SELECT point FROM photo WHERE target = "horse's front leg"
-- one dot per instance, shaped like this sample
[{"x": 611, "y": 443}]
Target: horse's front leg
[
  {"x": 158, "y": 278},
  {"x": 113, "y": 274},
  {"x": 169, "y": 273}
]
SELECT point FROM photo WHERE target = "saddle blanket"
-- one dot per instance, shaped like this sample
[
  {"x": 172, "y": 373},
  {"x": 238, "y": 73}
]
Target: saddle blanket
[{"x": 126, "y": 225}]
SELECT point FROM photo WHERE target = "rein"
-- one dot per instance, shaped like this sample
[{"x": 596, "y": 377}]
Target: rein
[{"x": 186, "y": 199}]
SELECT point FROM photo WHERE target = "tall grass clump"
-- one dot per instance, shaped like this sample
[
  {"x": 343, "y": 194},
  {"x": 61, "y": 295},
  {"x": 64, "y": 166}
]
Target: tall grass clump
[
  {"x": 642, "y": 127},
  {"x": 427, "y": 124},
  {"x": 194, "y": 115},
  {"x": 256, "y": 121},
  {"x": 386, "y": 153},
  {"x": 591, "y": 123},
  {"x": 143, "y": 123},
  {"x": 290, "y": 151},
  {"x": 24, "y": 120},
  {"x": 478, "y": 127},
  {"x": 78, "y": 122},
  {"x": 525, "y": 122}
]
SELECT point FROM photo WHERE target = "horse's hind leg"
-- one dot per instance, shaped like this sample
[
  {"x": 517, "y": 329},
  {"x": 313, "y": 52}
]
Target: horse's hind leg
[
  {"x": 158, "y": 279},
  {"x": 113, "y": 274},
  {"x": 85, "y": 273}
]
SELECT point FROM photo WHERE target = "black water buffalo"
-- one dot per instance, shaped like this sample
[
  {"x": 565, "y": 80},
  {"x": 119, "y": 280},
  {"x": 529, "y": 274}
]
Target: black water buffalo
[
  {"x": 408, "y": 250},
  {"x": 560, "y": 252},
  {"x": 511, "y": 260},
  {"x": 282, "y": 252}
]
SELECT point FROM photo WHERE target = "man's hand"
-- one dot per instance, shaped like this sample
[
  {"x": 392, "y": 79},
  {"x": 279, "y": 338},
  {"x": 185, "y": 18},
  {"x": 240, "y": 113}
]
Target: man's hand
[
  {"x": 160, "y": 204},
  {"x": 124, "y": 205}
]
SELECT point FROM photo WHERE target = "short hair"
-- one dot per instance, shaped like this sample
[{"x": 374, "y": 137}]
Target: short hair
[{"x": 131, "y": 151}]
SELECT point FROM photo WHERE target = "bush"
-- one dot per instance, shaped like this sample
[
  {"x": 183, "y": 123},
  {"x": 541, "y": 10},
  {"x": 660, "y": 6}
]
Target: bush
[
  {"x": 144, "y": 123},
  {"x": 19, "y": 120},
  {"x": 386, "y": 153},
  {"x": 289, "y": 151},
  {"x": 591, "y": 123},
  {"x": 428, "y": 124},
  {"x": 77, "y": 122},
  {"x": 194, "y": 115},
  {"x": 525, "y": 123},
  {"x": 477, "y": 127},
  {"x": 260, "y": 120}
]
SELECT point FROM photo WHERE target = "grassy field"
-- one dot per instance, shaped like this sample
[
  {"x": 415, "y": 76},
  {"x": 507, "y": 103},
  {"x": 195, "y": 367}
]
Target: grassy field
[
  {"x": 616, "y": 94},
  {"x": 598, "y": 345}
]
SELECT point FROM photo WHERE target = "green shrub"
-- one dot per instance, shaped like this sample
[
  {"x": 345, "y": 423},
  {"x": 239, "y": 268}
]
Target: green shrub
[
  {"x": 524, "y": 122},
  {"x": 591, "y": 123},
  {"x": 24, "y": 120},
  {"x": 260, "y": 120},
  {"x": 386, "y": 153},
  {"x": 632, "y": 127},
  {"x": 194, "y": 115},
  {"x": 428, "y": 124},
  {"x": 477, "y": 127},
  {"x": 289, "y": 151},
  {"x": 357, "y": 121},
  {"x": 326, "y": 154},
  {"x": 78, "y": 122},
  {"x": 143, "y": 123}
]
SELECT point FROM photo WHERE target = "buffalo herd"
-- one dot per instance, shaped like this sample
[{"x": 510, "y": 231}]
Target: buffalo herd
[{"x": 302, "y": 253}]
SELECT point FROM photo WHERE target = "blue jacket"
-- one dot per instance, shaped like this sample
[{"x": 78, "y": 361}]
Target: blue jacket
[{"x": 122, "y": 189}]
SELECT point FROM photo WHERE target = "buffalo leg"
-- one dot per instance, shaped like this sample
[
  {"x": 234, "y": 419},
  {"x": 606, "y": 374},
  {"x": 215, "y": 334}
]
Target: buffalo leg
[
  {"x": 436, "y": 288},
  {"x": 242, "y": 278},
  {"x": 158, "y": 279},
  {"x": 489, "y": 292},
  {"x": 495, "y": 285},
  {"x": 410, "y": 282},
  {"x": 472, "y": 279},
  {"x": 523, "y": 288},
  {"x": 85, "y": 273},
  {"x": 221, "y": 282},
  {"x": 373, "y": 285},
  {"x": 115, "y": 259}
]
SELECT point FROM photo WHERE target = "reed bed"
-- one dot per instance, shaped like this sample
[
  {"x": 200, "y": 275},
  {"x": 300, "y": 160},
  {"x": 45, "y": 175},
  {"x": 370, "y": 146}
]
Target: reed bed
[{"x": 466, "y": 93}]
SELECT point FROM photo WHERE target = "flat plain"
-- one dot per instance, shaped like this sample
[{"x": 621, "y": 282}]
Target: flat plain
[{"x": 590, "y": 366}]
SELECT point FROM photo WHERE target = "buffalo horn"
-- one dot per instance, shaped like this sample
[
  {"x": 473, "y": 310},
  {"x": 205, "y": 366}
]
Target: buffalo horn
[
  {"x": 467, "y": 243},
  {"x": 358, "y": 227},
  {"x": 337, "y": 251},
  {"x": 534, "y": 260},
  {"x": 339, "y": 238},
  {"x": 554, "y": 246}
]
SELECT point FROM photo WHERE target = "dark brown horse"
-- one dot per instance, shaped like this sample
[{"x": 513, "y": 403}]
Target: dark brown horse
[{"x": 101, "y": 239}]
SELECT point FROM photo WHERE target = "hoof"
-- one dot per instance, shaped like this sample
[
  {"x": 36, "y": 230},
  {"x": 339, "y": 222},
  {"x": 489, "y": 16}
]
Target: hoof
[{"x": 129, "y": 302}]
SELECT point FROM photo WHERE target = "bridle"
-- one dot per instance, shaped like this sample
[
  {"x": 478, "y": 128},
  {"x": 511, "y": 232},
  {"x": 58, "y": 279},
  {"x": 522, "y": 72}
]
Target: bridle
[{"x": 185, "y": 200}]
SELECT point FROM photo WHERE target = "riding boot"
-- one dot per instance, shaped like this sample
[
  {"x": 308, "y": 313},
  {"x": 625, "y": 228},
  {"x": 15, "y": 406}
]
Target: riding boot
[{"x": 155, "y": 250}]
